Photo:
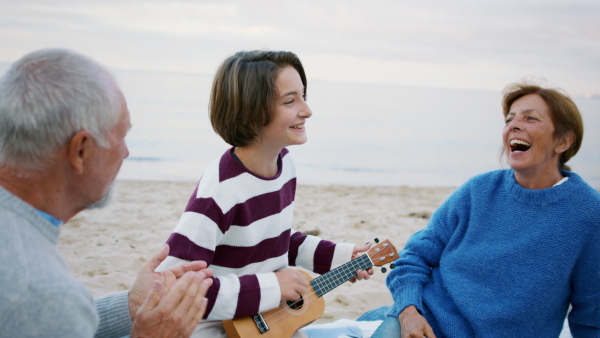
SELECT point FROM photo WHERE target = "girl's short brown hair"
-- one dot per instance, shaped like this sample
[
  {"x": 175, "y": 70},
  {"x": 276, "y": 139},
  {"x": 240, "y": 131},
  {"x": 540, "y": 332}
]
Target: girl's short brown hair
[
  {"x": 563, "y": 112},
  {"x": 244, "y": 92}
]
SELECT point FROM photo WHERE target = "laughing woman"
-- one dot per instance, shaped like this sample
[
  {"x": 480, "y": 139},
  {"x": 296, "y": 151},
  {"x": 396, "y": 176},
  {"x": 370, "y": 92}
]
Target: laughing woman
[{"x": 510, "y": 250}]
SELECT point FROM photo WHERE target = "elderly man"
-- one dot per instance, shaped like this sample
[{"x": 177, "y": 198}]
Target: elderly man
[{"x": 63, "y": 121}]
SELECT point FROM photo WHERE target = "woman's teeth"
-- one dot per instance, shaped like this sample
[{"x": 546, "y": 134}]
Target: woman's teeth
[{"x": 519, "y": 145}]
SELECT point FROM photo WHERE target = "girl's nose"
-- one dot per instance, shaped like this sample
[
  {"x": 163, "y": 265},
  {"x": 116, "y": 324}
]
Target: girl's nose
[{"x": 306, "y": 112}]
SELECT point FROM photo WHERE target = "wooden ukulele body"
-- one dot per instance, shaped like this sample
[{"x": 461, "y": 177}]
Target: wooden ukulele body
[
  {"x": 282, "y": 321},
  {"x": 290, "y": 316}
]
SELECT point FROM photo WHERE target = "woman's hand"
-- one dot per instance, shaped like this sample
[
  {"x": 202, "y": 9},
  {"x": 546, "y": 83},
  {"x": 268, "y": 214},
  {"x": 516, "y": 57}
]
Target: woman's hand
[{"x": 413, "y": 325}]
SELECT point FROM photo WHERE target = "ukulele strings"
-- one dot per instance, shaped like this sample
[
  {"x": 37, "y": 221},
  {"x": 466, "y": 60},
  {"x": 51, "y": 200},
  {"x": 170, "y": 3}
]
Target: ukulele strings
[{"x": 308, "y": 298}]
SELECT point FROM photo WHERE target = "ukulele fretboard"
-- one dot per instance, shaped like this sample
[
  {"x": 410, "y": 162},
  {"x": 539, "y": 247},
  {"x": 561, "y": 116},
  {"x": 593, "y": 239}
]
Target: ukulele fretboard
[{"x": 338, "y": 276}]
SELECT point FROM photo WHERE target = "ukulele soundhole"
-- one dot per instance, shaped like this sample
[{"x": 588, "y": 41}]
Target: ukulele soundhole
[{"x": 296, "y": 305}]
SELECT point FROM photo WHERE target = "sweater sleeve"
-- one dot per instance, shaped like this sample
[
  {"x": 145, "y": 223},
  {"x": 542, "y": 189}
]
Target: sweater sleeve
[
  {"x": 316, "y": 254},
  {"x": 584, "y": 318},
  {"x": 423, "y": 252},
  {"x": 114, "y": 315},
  {"x": 196, "y": 237}
]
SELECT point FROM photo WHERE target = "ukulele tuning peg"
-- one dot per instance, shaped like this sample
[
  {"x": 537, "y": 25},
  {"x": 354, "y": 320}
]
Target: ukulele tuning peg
[
  {"x": 376, "y": 240},
  {"x": 392, "y": 266},
  {"x": 383, "y": 270}
]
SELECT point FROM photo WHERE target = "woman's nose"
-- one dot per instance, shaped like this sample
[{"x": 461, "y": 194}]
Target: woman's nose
[{"x": 514, "y": 124}]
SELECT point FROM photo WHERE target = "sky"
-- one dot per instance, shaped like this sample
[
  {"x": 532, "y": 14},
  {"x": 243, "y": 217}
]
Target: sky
[{"x": 462, "y": 44}]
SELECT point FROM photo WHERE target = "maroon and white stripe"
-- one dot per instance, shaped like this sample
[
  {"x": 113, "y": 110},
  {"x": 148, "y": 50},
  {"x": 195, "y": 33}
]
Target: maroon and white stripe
[{"x": 240, "y": 224}]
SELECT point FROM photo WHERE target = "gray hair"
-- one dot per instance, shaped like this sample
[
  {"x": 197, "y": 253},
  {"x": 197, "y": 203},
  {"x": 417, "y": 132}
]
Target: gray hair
[{"x": 45, "y": 98}]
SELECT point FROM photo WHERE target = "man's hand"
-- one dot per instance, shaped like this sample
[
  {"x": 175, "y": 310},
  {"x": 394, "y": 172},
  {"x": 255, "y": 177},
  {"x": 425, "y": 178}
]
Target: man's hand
[
  {"x": 146, "y": 276},
  {"x": 171, "y": 302},
  {"x": 291, "y": 283},
  {"x": 413, "y": 324},
  {"x": 176, "y": 313},
  {"x": 360, "y": 274}
]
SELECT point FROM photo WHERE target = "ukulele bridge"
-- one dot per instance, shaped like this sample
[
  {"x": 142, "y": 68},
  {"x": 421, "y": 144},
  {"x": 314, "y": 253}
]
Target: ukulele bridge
[{"x": 261, "y": 324}]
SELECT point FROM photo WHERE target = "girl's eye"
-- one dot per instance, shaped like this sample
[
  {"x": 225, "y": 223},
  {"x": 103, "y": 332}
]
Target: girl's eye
[
  {"x": 289, "y": 102},
  {"x": 508, "y": 121}
]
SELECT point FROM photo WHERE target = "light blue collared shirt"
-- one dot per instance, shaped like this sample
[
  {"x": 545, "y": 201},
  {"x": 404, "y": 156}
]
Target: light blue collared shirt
[{"x": 50, "y": 218}]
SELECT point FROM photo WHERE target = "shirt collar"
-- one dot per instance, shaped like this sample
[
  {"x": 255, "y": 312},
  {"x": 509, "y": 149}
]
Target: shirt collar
[{"x": 56, "y": 222}]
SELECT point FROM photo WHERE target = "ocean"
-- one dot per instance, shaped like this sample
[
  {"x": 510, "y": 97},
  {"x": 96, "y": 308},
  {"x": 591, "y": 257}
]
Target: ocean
[{"x": 359, "y": 134}]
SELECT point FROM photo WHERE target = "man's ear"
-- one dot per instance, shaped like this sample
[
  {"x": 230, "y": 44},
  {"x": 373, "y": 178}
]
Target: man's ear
[
  {"x": 565, "y": 142},
  {"x": 81, "y": 148}
]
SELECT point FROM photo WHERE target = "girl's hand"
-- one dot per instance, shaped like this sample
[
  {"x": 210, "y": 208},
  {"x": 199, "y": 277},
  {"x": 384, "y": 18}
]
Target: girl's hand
[
  {"x": 360, "y": 274},
  {"x": 291, "y": 283}
]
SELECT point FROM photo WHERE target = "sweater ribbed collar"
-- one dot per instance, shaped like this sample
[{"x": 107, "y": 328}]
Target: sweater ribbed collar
[{"x": 541, "y": 197}]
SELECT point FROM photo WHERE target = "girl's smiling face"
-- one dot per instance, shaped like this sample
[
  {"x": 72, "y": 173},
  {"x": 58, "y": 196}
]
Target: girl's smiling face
[
  {"x": 528, "y": 137},
  {"x": 290, "y": 112}
]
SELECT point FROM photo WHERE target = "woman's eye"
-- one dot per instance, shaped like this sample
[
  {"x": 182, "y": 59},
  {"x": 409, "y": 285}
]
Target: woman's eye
[
  {"x": 289, "y": 102},
  {"x": 508, "y": 121}
]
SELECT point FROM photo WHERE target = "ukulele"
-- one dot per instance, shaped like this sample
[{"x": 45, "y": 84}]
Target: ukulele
[{"x": 293, "y": 315}]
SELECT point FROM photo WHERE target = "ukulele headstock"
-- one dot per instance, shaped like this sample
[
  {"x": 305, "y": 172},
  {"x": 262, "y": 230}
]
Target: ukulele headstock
[{"x": 382, "y": 253}]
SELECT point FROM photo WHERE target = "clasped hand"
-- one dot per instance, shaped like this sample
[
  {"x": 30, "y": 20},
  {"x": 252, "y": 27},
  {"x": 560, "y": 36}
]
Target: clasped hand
[{"x": 169, "y": 303}]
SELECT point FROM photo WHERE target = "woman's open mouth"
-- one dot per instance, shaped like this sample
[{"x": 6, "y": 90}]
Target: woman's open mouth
[{"x": 519, "y": 146}]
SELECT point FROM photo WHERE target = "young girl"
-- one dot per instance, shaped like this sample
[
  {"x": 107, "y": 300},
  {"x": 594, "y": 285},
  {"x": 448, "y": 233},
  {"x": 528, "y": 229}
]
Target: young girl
[{"x": 239, "y": 217}]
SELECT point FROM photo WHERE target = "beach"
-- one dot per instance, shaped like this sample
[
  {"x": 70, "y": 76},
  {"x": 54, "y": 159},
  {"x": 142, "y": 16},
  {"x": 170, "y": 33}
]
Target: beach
[{"x": 105, "y": 247}]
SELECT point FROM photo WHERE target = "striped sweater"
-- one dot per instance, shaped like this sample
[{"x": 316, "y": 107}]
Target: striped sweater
[{"x": 240, "y": 224}]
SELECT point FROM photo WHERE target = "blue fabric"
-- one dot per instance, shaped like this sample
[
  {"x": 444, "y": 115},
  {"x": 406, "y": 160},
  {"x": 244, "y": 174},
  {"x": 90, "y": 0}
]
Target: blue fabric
[
  {"x": 499, "y": 260},
  {"x": 50, "y": 218},
  {"x": 390, "y": 327},
  {"x": 376, "y": 314},
  {"x": 333, "y": 332}
]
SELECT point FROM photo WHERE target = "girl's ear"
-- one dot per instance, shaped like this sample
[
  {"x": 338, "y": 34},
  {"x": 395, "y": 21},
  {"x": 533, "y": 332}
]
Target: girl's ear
[
  {"x": 81, "y": 149},
  {"x": 565, "y": 142}
]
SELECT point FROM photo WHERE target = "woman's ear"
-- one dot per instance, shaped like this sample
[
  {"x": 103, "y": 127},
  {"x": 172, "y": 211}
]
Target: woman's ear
[
  {"x": 565, "y": 142},
  {"x": 81, "y": 148}
]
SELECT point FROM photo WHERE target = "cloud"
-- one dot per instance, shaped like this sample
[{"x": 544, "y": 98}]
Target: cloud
[{"x": 435, "y": 43}]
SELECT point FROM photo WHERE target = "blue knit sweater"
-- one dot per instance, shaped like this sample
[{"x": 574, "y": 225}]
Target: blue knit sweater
[{"x": 499, "y": 260}]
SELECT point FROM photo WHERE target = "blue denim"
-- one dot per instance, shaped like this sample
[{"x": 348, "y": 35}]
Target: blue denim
[
  {"x": 390, "y": 328},
  {"x": 376, "y": 314}
]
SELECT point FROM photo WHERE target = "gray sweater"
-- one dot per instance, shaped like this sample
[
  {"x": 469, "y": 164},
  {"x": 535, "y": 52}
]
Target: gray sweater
[{"x": 38, "y": 295}]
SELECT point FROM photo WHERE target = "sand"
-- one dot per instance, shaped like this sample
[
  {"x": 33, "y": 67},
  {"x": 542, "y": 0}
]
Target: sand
[{"x": 105, "y": 247}]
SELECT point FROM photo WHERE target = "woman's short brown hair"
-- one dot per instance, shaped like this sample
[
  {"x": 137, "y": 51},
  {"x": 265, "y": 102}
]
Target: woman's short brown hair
[
  {"x": 563, "y": 112},
  {"x": 244, "y": 92}
]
